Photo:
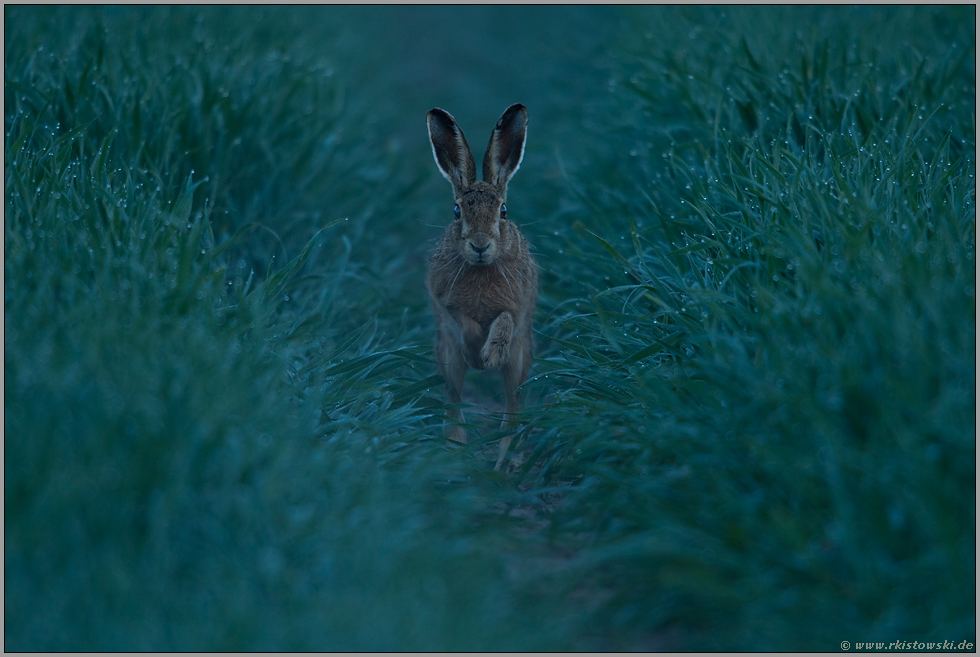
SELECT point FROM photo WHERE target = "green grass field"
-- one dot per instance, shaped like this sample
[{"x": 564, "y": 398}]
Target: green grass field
[{"x": 751, "y": 420}]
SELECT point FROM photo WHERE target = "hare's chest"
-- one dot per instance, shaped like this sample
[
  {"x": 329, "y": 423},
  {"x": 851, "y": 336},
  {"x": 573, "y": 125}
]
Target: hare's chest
[{"x": 481, "y": 295}]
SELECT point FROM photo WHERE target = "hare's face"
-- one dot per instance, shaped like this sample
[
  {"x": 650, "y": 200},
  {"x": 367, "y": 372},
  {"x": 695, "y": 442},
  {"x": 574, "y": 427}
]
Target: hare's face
[
  {"x": 480, "y": 211},
  {"x": 480, "y": 204}
]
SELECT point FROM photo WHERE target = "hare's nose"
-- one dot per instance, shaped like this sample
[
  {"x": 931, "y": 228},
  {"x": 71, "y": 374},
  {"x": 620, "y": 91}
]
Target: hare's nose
[{"x": 479, "y": 249}]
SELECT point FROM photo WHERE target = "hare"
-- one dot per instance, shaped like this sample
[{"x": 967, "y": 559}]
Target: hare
[{"x": 481, "y": 277}]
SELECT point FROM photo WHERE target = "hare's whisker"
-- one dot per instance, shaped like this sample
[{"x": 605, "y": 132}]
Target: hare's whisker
[
  {"x": 521, "y": 274},
  {"x": 453, "y": 284},
  {"x": 450, "y": 262},
  {"x": 506, "y": 280}
]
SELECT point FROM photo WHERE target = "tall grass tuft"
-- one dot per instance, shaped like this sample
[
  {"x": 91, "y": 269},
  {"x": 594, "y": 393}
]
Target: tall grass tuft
[
  {"x": 769, "y": 391},
  {"x": 194, "y": 458}
]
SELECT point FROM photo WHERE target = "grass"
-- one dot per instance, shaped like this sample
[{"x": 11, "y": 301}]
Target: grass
[{"x": 751, "y": 420}]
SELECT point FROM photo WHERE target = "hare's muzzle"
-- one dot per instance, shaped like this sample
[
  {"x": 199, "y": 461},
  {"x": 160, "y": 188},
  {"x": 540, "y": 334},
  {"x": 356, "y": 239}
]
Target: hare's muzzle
[{"x": 479, "y": 249}]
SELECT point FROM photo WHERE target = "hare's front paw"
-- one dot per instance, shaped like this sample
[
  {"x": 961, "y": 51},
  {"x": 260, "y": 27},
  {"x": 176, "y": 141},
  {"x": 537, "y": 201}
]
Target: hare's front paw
[
  {"x": 497, "y": 346},
  {"x": 494, "y": 353}
]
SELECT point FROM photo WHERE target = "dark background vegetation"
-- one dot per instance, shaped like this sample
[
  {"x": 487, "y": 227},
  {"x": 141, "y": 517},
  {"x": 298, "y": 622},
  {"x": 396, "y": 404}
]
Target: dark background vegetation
[{"x": 751, "y": 420}]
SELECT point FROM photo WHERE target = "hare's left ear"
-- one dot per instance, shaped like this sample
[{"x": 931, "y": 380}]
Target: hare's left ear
[
  {"x": 450, "y": 150},
  {"x": 506, "y": 148}
]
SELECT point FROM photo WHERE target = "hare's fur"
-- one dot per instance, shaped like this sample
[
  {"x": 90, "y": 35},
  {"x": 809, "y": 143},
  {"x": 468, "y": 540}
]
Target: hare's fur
[{"x": 482, "y": 278}]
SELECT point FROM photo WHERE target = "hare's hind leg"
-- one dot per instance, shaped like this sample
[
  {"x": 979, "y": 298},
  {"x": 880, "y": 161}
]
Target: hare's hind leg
[
  {"x": 515, "y": 373},
  {"x": 452, "y": 366}
]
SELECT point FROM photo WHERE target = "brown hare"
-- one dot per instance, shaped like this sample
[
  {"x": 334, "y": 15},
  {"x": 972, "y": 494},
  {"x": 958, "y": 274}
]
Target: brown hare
[{"x": 482, "y": 278}]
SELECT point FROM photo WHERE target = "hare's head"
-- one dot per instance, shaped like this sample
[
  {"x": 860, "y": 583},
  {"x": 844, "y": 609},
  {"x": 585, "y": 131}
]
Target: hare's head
[{"x": 480, "y": 205}]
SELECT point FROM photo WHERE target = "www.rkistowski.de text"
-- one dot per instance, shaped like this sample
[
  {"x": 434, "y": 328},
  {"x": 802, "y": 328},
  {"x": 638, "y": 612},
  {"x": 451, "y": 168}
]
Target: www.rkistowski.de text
[{"x": 909, "y": 645}]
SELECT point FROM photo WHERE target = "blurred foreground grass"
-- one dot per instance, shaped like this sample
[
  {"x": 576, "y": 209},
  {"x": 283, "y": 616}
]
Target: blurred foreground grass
[{"x": 751, "y": 420}]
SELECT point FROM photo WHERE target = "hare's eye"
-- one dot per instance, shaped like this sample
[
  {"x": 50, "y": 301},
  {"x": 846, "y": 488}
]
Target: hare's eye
[
  {"x": 503, "y": 210},
  {"x": 456, "y": 211}
]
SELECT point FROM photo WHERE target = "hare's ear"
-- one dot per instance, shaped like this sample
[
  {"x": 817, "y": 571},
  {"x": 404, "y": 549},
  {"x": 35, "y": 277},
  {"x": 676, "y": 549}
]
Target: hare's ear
[
  {"x": 506, "y": 148},
  {"x": 449, "y": 148}
]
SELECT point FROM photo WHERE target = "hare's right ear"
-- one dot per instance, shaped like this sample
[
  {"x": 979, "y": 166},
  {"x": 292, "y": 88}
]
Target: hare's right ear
[
  {"x": 449, "y": 148},
  {"x": 506, "y": 148}
]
